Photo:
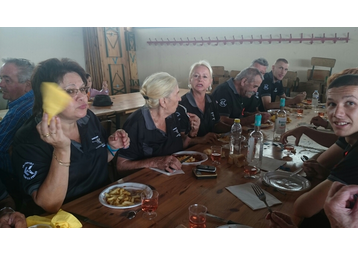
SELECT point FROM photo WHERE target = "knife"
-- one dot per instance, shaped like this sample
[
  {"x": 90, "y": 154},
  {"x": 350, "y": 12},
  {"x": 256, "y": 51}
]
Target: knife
[
  {"x": 85, "y": 219},
  {"x": 221, "y": 219}
]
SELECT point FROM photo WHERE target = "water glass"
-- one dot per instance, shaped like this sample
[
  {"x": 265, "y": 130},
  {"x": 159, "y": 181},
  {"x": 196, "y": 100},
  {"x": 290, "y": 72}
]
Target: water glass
[
  {"x": 197, "y": 216},
  {"x": 149, "y": 204},
  {"x": 216, "y": 152}
]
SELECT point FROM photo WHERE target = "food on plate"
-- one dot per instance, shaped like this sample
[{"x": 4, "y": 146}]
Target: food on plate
[
  {"x": 123, "y": 197},
  {"x": 273, "y": 119},
  {"x": 237, "y": 160},
  {"x": 224, "y": 138},
  {"x": 207, "y": 152},
  {"x": 288, "y": 120},
  {"x": 180, "y": 158}
]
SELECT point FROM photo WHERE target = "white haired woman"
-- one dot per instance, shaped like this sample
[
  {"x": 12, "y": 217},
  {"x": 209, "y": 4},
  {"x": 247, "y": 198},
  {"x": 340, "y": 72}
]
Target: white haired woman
[{"x": 154, "y": 128}]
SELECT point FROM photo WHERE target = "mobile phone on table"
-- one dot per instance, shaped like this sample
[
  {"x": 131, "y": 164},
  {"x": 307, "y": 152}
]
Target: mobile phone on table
[
  {"x": 203, "y": 175},
  {"x": 205, "y": 168}
]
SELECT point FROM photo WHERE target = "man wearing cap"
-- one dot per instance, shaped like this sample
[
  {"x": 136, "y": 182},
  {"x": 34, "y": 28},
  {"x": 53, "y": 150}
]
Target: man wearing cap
[
  {"x": 272, "y": 86},
  {"x": 15, "y": 75}
]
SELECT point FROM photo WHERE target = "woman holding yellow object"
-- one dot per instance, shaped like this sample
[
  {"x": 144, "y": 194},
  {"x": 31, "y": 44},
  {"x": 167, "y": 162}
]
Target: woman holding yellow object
[{"x": 67, "y": 158}]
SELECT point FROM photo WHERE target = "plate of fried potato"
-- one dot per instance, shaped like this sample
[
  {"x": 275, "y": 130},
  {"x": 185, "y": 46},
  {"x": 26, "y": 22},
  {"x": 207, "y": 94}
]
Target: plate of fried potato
[
  {"x": 196, "y": 158},
  {"x": 123, "y": 196}
]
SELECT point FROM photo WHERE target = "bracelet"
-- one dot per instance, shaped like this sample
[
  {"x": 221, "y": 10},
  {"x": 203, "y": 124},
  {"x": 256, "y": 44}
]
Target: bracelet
[
  {"x": 111, "y": 150},
  {"x": 67, "y": 164}
]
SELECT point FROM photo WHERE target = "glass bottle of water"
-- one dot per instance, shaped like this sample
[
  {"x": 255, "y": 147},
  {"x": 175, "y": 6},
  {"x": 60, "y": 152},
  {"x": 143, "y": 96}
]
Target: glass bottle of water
[
  {"x": 315, "y": 97},
  {"x": 235, "y": 137},
  {"x": 254, "y": 150},
  {"x": 280, "y": 122}
]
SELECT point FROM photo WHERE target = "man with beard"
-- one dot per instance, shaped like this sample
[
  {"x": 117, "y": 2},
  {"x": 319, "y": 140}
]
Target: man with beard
[
  {"x": 272, "y": 86},
  {"x": 229, "y": 96}
]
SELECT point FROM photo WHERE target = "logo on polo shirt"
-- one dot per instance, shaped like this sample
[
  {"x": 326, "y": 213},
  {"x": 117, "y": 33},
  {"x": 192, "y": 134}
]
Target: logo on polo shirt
[
  {"x": 266, "y": 87},
  {"x": 275, "y": 91},
  {"x": 176, "y": 131},
  {"x": 96, "y": 140},
  {"x": 257, "y": 95},
  {"x": 212, "y": 115},
  {"x": 28, "y": 173},
  {"x": 222, "y": 102}
]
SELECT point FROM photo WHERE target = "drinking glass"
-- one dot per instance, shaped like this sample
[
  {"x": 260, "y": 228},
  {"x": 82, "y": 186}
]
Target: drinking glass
[
  {"x": 321, "y": 114},
  {"x": 309, "y": 100},
  {"x": 149, "y": 204},
  {"x": 288, "y": 148},
  {"x": 197, "y": 216},
  {"x": 299, "y": 112},
  {"x": 216, "y": 154}
]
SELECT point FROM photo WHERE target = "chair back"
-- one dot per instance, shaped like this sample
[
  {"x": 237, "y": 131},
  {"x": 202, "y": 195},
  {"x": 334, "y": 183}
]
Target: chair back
[{"x": 319, "y": 74}]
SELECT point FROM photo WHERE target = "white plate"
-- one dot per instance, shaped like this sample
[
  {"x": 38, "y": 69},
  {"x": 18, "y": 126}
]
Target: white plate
[
  {"x": 283, "y": 181},
  {"x": 128, "y": 186},
  {"x": 202, "y": 155},
  {"x": 234, "y": 226}
]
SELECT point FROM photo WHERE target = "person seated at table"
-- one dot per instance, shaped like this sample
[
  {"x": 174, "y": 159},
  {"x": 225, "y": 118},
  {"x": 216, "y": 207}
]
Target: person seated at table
[
  {"x": 198, "y": 102},
  {"x": 272, "y": 86},
  {"x": 229, "y": 97},
  {"x": 94, "y": 92},
  {"x": 154, "y": 129},
  {"x": 252, "y": 104},
  {"x": 342, "y": 111},
  {"x": 338, "y": 207},
  {"x": 8, "y": 217},
  {"x": 67, "y": 158}
]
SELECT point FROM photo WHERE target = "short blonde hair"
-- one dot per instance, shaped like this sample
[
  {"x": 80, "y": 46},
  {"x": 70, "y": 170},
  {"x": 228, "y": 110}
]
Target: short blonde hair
[
  {"x": 157, "y": 86},
  {"x": 200, "y": 63}
]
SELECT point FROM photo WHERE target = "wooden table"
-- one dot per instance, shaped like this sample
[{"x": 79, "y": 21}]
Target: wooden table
[
  {"x": 178, "y": 192},
  {"x": 123, "y": 104}
]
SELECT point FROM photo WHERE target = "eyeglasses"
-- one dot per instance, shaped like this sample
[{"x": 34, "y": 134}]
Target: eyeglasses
[{"x": 74, "y": 92}]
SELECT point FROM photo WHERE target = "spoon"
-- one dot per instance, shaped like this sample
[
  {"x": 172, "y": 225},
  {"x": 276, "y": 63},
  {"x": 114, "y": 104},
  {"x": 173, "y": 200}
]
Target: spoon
[{"x": 132, "y": 214}]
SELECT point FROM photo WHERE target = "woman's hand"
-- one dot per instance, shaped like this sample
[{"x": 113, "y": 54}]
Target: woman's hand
[
  {"x": 194, "y": 124},
  {"x": 119, "y": 139},
  {"x": 319, "y": 122},
  {"x": 167, "y": 163},
  {"x": 53, "y": 134}
]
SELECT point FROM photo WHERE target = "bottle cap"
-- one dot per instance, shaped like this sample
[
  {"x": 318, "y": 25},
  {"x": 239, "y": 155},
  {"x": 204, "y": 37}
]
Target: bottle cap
[
  {"x": 237, "y": 120},
  {"x": 282, "y": 102},
  {"x": 258, "y": 120}
]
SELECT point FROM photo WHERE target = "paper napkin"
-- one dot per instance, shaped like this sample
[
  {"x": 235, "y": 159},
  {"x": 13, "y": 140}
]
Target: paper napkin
[
  {"x": 55, "y": 99},
  {"x": 246, "y": 194},
  {"x": 61, "y": 219},
  {"x": 270, "y": 164},
  {"x": 167, "y": 173}
]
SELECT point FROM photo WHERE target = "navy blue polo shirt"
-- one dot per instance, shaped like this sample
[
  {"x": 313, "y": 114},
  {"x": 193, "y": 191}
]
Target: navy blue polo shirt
[
  {"x": 347, "y": 169},
  {"x": 147, "y": 140},
  {"x": 3, "y": 192},
  {"x": 88, "y": 170},
  {"x": 230, "y": 103},
  {"x": 208, "y": 118},
  {"x": 270, "y": 88}
]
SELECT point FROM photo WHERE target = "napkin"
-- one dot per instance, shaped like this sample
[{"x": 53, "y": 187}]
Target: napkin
[
  {"x": 270, "y": 164},
  {"x": 54, "y": 98},
  {"x": 167, "y": 173},
  {"x": 61, "y": 219},
  {"x": 246, "y": 194}
]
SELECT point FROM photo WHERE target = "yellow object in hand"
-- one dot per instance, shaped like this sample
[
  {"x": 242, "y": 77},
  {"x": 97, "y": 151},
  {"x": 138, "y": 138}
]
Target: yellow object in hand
[{"x": 54, "y": 98}]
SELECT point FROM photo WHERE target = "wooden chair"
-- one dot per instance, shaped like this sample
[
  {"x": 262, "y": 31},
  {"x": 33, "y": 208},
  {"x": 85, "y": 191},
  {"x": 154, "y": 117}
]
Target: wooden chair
[{"x": 290, "y": 82}]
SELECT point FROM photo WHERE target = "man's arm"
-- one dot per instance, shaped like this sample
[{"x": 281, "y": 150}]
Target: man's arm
[{"x": 266, "y": 101}]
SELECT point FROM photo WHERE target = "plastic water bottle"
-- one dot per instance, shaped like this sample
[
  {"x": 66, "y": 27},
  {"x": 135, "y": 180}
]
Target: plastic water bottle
[
  {"x": 315, "y": 97},
  {"x": 254, "y": 150},
  {"x": 235, "y": 137},
  {"x": 280, "y": 122}
]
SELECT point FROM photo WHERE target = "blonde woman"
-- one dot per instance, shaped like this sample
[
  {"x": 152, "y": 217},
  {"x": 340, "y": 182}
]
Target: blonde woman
[
  {"x": 200, "y": 103},
  {"x": 154, "y": 128}
]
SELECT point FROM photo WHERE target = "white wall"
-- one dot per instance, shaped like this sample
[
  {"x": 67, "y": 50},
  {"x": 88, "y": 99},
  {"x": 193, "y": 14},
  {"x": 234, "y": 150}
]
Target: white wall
[
  {"x": 177, "y": 59},
  {"x": 40, "y": 43}
]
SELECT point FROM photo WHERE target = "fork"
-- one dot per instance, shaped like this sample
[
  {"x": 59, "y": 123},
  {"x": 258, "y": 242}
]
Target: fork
[
  {"x": 185, "y": 110},
  {"x": 261, "y": 195}
]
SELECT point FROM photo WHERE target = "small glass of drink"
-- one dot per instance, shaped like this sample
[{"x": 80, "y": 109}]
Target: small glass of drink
[
  {"x": 299, "y": 112},
  {"x": 216, "y": 152},
  {"x": 149, "y": 204},
  {"x": 321, "y": 114},
  {"x": 309, "y": 100},
  {"x": 288, "y": 149},
  {"x": 197, "y": 216}
]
